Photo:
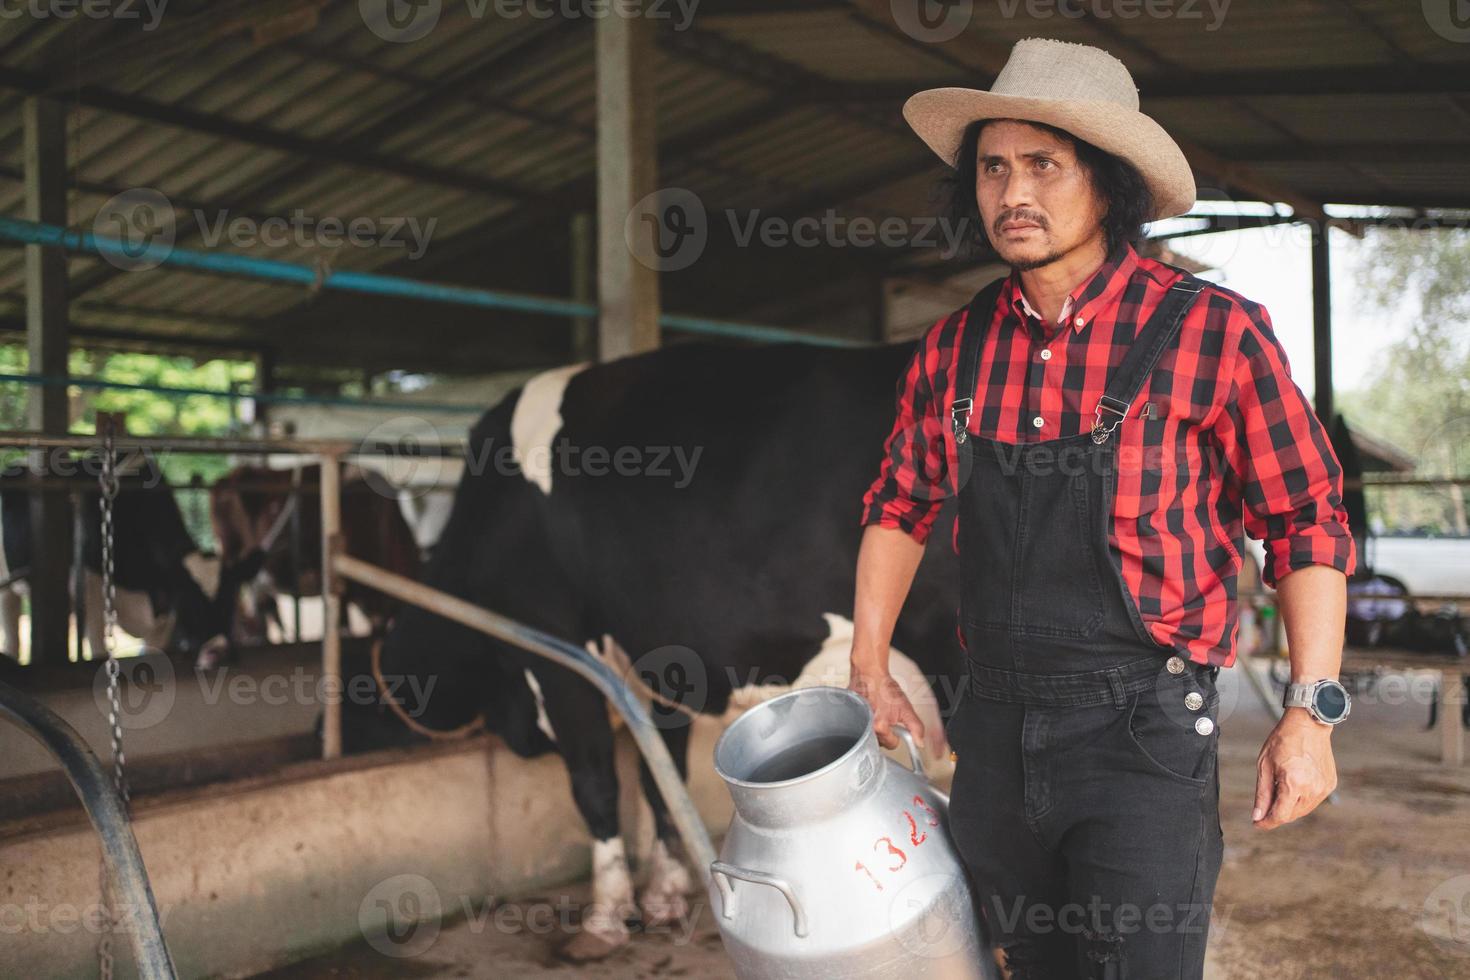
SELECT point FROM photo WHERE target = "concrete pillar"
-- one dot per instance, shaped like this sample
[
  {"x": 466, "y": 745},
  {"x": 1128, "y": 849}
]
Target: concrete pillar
[
  {"x": 1322, "y": 326},
  {"x": 627, "y": 170},
  {"x": 47, "y": 341},
  {"x": 583, "y": 256}
]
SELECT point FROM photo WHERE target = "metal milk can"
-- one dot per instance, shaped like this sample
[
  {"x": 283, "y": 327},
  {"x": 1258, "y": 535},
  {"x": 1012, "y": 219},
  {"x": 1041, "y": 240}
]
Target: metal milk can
[{"x": 838, "y": 862}]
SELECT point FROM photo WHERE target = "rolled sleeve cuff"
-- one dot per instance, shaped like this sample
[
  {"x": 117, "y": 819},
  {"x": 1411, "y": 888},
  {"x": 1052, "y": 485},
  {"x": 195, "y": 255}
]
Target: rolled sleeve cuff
[
  {"x": 1327, "y": 544},
  {"x": 915, "y": 522}
]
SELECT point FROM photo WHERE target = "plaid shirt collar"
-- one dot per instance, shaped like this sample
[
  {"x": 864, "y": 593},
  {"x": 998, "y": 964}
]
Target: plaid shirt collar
[{"x": 1098, "y": 293}]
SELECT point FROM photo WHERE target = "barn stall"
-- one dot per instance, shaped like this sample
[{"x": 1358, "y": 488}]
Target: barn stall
[{"x": 528, "y": 142}]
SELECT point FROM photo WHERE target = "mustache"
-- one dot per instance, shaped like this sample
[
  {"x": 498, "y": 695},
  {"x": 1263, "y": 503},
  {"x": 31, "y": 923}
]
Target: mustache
[{"x": 1035, "y": 219}]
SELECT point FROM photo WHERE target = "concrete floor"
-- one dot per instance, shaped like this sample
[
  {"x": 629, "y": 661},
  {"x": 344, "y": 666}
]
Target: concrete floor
[{"x": 1376, "y": 886}]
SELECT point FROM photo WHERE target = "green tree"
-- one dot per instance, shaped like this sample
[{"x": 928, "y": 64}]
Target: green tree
[{"x": 1419, "y": 396}]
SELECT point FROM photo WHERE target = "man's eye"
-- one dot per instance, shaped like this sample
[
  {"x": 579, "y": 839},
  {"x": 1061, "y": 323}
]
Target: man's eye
[{"x": 1045, "y": 163}]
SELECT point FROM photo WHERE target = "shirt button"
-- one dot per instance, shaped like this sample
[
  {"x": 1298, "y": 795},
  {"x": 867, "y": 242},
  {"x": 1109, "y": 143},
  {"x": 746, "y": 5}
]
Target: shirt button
[
  {"x": 1078, "y": 321},
  {"x": 1174, "y": 665},
  {"x": 1204, "y": 726},
  {"x": 1046, "y": 353},
  {"x": 1038, "y": 421}
]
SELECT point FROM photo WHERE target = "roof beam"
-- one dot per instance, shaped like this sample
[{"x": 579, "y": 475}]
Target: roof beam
[
  {"x": 354, "y": 153},
  {"x": 1167, "y": 86},
  {"x": 530, "y": 44}
]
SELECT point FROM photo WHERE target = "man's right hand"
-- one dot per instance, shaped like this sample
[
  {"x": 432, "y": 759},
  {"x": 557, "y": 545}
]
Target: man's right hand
[{"x": 890, "y": 705}]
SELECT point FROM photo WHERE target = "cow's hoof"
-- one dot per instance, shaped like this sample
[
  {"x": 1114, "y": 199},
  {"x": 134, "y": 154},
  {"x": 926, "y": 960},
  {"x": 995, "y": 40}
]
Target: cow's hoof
[
  {"x": 603, "y": 933},
  {"x": 662, "y": 901},
  {"x": 212, "y": 655},
  {"x": 663, "y": 908}
]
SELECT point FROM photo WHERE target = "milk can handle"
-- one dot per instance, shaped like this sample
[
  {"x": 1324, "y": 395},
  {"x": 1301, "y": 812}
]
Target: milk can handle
[
  {"x": 723, "y": 872},
  {"x": 915, "y": 759}
]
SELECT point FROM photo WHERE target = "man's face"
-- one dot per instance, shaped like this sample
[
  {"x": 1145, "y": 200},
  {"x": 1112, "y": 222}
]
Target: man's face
[{"x": 1035, "y": 197}]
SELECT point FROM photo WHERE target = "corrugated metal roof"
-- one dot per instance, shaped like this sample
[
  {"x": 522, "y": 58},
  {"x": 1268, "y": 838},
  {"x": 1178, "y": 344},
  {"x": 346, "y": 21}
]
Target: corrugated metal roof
[{"x": 486, "y": 127}]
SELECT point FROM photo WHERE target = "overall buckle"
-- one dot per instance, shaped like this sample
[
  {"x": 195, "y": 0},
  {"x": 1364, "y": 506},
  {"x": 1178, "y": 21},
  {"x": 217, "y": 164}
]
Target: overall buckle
[
  {"x": 1114, "y": 406},
  {"x": 959, "y": 416}
]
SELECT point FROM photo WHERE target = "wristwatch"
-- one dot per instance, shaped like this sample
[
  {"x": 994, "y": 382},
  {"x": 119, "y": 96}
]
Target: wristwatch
[{"x": 1326, "y": 700}]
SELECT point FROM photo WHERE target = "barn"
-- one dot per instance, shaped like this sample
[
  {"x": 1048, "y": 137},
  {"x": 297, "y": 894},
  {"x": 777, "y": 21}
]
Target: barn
[{"x": 436, "y": 434}]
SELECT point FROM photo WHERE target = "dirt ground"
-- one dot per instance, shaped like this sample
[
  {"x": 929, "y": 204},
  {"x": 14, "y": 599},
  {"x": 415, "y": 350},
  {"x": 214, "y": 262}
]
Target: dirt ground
[{"x": 1377, "y": 885}]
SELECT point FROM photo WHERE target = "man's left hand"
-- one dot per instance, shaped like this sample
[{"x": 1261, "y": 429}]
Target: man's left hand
[{"x": 1295, "y": 770}]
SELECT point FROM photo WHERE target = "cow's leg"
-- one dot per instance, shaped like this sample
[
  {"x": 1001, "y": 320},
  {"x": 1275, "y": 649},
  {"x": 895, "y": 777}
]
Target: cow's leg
[
  {"x": 578, "y": 716},
  {"x": 663, "y": 898},
  {"x": 10, "y": 623}
]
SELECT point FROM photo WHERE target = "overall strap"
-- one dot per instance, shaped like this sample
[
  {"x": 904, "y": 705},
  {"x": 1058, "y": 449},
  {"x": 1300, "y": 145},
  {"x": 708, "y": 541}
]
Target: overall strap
[
  {"x": 967, "y": 362},
  {"x": 1153, "y": 339}
]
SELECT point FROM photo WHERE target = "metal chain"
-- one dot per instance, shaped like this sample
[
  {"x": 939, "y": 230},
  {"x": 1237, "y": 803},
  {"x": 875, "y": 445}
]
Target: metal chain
[{"x": 108, "y": 482}]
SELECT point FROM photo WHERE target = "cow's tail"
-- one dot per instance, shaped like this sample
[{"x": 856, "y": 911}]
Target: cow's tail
[{"x": 471, "y": 727}]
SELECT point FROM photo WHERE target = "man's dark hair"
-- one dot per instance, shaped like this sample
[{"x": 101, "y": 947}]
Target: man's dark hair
[{"x": 1117, "y": 182}]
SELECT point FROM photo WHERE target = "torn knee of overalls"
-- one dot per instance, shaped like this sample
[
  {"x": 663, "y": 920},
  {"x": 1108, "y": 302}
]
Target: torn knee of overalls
[{"x": 1104, "y": 951}]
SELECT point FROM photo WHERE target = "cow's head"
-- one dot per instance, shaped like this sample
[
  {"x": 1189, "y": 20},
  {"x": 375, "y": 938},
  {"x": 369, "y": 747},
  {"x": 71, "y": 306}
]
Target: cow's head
[{"x": 444, "y": 676}]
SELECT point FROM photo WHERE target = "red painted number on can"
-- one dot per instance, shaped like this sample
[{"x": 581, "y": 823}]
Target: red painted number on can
[
  {"x": 933, "y": 817},
  {"x": 902, "y": 857},
  {"x": 864, "y": 869},
  {"x": 916, "y": 836}
]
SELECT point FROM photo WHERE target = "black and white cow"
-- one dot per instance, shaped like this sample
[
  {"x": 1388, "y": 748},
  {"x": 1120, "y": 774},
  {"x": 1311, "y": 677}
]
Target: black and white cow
[
  {"x": 163, "y": 582},
  {"x": 699, "y": 502}
]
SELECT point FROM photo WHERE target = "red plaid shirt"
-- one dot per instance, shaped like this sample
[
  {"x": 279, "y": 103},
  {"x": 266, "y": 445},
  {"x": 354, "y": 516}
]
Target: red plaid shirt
[{"x": 1233, "y": 441}]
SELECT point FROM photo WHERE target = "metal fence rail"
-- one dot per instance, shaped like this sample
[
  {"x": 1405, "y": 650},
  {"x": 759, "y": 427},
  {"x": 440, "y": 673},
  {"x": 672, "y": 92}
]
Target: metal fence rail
[{"x": 119, "y": 848}]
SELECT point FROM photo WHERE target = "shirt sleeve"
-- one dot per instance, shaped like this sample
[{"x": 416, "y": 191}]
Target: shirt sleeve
[
  {"x": 1278, "y": 451},
  {"x": 912, "y": 479}
]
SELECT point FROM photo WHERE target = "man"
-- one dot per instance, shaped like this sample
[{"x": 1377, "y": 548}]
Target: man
[{"x": 1110, "y": 425}]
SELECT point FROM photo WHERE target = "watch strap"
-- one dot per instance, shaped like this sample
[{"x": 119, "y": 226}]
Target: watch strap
[{"x": 1298, "y": 696}]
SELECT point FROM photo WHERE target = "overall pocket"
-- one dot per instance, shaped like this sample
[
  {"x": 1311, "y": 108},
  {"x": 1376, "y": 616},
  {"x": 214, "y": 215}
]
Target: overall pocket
[
  {"x": 1030, "y": 534},
  {"x": 1166, "y": 738}
]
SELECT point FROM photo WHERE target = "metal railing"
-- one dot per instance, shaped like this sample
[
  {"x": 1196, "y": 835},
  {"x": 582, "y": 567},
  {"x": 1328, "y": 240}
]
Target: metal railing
[{"x": 104, "y": 808}]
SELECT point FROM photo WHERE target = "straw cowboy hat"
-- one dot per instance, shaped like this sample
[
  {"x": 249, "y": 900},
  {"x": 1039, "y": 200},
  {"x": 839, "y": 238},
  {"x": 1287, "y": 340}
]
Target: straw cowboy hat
[{"x": 1074, "y": 87}]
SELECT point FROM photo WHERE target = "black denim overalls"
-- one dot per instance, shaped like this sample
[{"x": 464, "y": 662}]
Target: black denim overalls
[{"x": 1085, "y": 799}]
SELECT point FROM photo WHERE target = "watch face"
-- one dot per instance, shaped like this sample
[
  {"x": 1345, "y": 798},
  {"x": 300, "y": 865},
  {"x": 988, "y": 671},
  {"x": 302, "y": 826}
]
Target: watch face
[{"x": 1331, "y": 702}]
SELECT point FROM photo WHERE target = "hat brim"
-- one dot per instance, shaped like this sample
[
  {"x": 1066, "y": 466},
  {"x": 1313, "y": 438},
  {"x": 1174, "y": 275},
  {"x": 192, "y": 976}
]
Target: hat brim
[{"x": 939, "y": 116}]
